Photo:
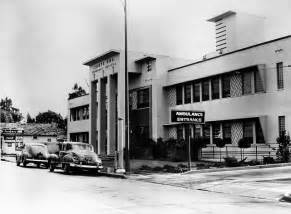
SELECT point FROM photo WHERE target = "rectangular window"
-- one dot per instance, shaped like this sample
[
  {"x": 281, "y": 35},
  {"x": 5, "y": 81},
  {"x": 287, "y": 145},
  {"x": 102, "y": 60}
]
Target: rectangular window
[
  {"x": 206, "y": 132},
  {"x": 79, "y": 113},
  {"x": 197, "y": 131},
  {"x": 247, "y": 82},
  {"x": 259, "y": 133},
  {"x": 248, "y": 130},
  {"x": 215, "y": 88},
  {"x": 149, "y": 66},
  {"x": 225, "y": 86},
  {"x": 187, "y": 93},
  {"x": 196, "y": 92},
  {"x": 179, "y": 95},
  {"x": 180, "y": 132},
  {"x": 143, "y": 98},
  {"x": 216, "y": 131},
  {"x": 281, "y": 125},
  {"x": 226, "y": 129},
  {"x": 280, "y": 77},
  {"x": 258, "y": 82},
  {"x": 205, "y": 90}
]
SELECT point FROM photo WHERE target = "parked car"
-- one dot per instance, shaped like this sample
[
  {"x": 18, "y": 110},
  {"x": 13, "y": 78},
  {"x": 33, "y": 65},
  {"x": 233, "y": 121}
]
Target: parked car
[
  {"x": 75, "y": 156},
  {"x": 36, "y": 153}
]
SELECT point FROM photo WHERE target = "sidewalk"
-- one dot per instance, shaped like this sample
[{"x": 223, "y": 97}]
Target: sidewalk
[
  {"x": 263, "y": 182},
  {"x": 8, "y": 159}
]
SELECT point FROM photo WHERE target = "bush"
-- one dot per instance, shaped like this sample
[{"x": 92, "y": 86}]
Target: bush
[
  {"x": 145, "y": 167},
  {"x": 157, "y": 169},
  {"x": 253, "y": 162},
  {"x": 202, "y": 166},
  {"x": 283, "y": 151},
  {"x": 160, "y": 149},
  {"x": 169, "y": 168},
  {"x": 244, "y": 143},
  {"x": 219, "y": 142},
  {"x": 231, "y": 161},
  {"x": 268, "y": 160}
]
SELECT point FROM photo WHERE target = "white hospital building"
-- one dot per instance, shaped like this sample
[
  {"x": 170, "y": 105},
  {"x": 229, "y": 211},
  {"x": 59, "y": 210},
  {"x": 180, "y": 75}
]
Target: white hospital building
[{"x": 243, "y": 88}]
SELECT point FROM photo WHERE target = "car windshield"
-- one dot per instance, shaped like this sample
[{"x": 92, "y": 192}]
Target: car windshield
[
  {"x": 37, "y": 148},
  {"x": 82, "y": 147}
]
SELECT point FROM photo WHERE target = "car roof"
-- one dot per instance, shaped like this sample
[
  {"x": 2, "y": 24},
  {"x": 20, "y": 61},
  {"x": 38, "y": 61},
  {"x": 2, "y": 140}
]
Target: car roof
[
  {"x": 35, "y": 144},
  {"x": 67, "y": 142}
]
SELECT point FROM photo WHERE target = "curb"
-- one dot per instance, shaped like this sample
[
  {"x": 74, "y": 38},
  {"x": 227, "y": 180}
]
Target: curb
[
  {"x": 2, "y": 159},
  {"x": 238, "y": 168},
  {"x": 113, "y": 175}
]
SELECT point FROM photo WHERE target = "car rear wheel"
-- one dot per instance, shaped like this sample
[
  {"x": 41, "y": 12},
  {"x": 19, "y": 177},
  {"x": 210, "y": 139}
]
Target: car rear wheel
[
  {"x": 67, "y": 169},
  {"x": 17, "y": 162}
]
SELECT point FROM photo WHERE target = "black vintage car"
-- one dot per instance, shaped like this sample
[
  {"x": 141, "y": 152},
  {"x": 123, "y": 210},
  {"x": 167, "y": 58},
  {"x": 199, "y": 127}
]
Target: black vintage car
[
  {"x": 75, "y": 156},
  {"x": 36, "y": 153}
]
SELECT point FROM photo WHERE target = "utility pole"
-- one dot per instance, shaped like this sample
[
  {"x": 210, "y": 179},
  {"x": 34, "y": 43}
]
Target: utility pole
[{"x": 127, "y": 164}]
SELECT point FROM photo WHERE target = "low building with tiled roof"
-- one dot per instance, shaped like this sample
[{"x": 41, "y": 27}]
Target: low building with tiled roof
[{"x": 41, "y": 133}]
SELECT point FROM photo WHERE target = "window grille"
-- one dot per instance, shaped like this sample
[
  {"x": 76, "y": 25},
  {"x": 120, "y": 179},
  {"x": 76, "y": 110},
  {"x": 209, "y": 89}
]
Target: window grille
[{"x": 280, "y": 77}]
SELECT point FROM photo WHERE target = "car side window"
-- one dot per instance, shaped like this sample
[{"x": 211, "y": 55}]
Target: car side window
[{"x": 69, "y": 147}]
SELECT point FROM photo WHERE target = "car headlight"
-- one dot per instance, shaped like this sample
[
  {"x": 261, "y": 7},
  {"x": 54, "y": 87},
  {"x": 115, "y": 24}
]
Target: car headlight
[{"x": 75, "y": 158}]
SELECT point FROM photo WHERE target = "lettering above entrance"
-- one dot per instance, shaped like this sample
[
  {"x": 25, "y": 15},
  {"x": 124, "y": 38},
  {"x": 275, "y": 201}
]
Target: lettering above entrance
[
  {"x": 104, "y": 70},
  {"x": 196, "y": 117}
]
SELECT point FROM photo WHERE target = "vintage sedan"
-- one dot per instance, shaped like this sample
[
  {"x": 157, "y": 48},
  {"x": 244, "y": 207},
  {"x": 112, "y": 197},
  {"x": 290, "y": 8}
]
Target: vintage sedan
[
  {"x": 75, "y": 156},
  {"x": 36, "y": 153}
]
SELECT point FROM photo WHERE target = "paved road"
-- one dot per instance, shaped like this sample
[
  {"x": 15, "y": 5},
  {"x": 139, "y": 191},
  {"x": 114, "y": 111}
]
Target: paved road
[
  {"x": 267, "y": 183},
  {"x": 31, "y": 190}
]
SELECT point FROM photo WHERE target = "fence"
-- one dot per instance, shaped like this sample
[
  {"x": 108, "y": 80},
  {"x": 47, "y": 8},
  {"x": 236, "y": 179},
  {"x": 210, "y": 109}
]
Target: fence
[{"x": 255, "y": 152}]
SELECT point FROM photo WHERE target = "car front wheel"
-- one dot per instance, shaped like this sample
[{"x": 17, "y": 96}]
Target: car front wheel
[
  {"x": 67, "y": 169},
  {"x": 51, "y": 167},
  {"x": 24, "y": 163}
]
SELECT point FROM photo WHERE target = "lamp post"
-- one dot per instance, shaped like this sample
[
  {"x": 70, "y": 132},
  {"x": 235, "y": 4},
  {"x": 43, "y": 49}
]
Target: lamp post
[{"x": 127, "y": 164}]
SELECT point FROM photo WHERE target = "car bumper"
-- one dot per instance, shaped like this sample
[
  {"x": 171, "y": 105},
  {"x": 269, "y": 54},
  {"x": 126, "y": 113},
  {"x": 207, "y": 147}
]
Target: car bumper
[
  {"x": 36, "y": 161},
  {"x": 85, "y": 166}
]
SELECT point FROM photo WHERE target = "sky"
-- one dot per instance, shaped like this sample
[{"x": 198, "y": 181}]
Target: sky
[{"x": 43, "y": 43}]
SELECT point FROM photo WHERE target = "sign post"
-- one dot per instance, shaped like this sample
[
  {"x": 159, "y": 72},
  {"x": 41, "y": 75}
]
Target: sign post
[{"x": 188, "y": 117}]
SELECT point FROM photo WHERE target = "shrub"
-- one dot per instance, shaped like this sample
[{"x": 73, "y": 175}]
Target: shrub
[
  {"x": 231, "y": 161},
  {"x": 160, "y": 149},
  {"x": 220, "y": 143},
  {"x": 157, "y": 169},
  {"x": 145, "y": 167},
  {"x": 268, "y": 160},
  {"x": 169, "y": 168},
  {"x": 244, "y": 143},
  {"x": 202, "y": 166},
  {"x": 253, "y": 162},
  {"x": 283, "y": 151}
]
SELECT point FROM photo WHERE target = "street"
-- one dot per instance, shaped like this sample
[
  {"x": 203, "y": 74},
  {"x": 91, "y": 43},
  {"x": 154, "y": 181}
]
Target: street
[{"x": 32, "y": 190}]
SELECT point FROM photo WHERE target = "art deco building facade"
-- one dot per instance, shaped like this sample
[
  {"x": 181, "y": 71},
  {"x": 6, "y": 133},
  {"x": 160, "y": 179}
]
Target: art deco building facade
[{"x": 243, "y": 88}]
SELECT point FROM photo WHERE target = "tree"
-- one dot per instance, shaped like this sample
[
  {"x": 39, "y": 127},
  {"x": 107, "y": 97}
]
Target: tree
[
  {"x": 9, "y": 113},
  {"x": 49, "y": 117},
  {"x": 244, "y": 143},
  {"x": 283, "y": 151},
  {"x": 29, "y": 119},
  {"x": 77, "y": 91},
  {"x": 220, "y": 143}
]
